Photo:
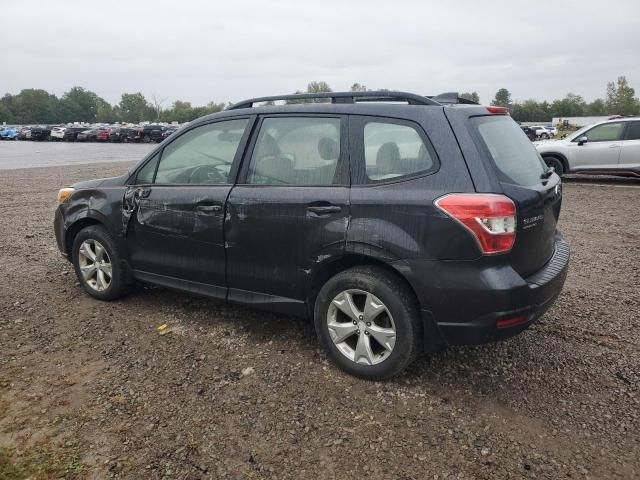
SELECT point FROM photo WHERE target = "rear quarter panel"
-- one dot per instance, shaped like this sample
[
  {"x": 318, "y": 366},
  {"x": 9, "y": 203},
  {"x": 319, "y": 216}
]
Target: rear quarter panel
[{"x": 398, "y": 220}]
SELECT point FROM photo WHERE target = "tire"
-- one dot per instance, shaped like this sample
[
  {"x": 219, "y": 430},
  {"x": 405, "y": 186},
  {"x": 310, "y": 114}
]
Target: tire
[
  {"x": 400, "y": 316},
  {"x": 120, "y": 282},
  {"x": 545, "y": 136},
  {"x": 146, "y": 139},
  {"x": 556, "y": 163}
]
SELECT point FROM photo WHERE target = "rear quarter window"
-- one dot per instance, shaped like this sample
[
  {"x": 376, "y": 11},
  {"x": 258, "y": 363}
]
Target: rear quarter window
[
  {"x": 516, "y": 159},
  {"x": 390, "y": 150}
]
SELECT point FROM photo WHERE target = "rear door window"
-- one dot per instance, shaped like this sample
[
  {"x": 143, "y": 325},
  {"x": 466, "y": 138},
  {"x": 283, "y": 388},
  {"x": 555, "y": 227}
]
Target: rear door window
[
  {"x": 633, "y": 131},
  {"x": 516, "y": 159},
  {"x": 296, "y": 151}
]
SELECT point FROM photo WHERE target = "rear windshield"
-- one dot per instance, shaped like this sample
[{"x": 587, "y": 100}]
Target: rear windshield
[{"x": 516, "y": 159}]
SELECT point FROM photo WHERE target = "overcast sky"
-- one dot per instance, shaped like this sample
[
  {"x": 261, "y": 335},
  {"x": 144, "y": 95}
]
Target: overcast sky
[{"x": 201, "y": 51}]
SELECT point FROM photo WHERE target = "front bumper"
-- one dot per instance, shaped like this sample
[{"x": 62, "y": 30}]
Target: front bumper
[
  {"x": 463, "y": 302},
  {"x": 58, "y": 228}
]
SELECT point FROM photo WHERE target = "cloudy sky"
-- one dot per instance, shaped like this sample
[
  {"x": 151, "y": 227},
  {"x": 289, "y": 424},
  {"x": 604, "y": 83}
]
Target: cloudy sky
[{"x": 201, "y": 51}]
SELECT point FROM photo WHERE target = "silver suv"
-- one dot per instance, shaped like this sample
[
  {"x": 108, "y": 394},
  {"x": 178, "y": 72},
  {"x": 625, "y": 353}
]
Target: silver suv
[{"x": 611, "y": 147}]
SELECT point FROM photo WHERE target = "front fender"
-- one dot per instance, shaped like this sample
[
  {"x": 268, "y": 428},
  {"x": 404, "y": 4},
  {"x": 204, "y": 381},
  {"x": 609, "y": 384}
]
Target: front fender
[{"x": 102, "y": 206}]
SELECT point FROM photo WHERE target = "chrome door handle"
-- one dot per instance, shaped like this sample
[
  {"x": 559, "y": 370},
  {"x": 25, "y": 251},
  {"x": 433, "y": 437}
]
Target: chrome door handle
[
  {"x": 324, "y": 209},
  {"x": 209, "y": 208}
]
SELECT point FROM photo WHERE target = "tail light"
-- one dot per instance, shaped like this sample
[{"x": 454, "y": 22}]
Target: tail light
[
  {"x": 490, "y": 218},
  {"x": 496, "y": 109}
]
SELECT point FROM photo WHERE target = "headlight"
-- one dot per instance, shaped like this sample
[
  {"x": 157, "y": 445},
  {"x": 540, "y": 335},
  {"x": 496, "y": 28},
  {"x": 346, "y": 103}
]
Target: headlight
[{"x": 64, "y": 193}]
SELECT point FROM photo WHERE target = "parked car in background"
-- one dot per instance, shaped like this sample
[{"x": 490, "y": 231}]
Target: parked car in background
[
  {"x": 71, "y": 133},
  {"x": 146, "y": 134},
  {"x": 395, "y": 241},
  {"x": 41, "y": 132},
  {"x": 553, "y": 130},
  {"x": 102, "y": 134},
  {"x": 170, "y": 130},
  {"x": 529, "y": 132},
  {"x": 24, "y": 133},
  {"x": 541, "y": 132},
  {"x": 9, "y": 133},
  {"x": 118, "y": 134},
  {"x": 611, "y": 147},
  {"x": 88, "y": 135},
  {"x": 57, "y": 133}
]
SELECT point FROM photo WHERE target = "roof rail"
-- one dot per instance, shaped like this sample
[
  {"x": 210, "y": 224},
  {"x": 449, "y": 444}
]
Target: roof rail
[{"x": 344, "y": 97}]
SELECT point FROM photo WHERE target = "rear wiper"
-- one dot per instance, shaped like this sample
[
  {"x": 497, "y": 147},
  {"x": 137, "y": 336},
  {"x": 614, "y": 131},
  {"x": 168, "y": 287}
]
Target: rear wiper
[{"x": 547, "y": 173}]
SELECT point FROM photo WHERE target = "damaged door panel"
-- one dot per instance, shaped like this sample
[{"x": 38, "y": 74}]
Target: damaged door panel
[
  {"x": 174, "y": 220},
  {"x": 178, "y": 232}
]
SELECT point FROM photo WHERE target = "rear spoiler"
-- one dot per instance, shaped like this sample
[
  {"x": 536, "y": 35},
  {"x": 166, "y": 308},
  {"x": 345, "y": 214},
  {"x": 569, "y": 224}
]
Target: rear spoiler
[{"x": 451, "y": 98}]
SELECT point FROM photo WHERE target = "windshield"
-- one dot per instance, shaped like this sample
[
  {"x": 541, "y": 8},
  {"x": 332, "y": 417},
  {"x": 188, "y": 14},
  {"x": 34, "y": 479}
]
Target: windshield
[
  {"x": 577, "y": 133},
  {"x": 516, "y": 159}
]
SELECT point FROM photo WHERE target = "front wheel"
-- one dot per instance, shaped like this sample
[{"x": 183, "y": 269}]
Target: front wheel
[
  {"x": 368, "y": 322},
  {"x": 98, "y": 264},
  {"x": 556, "y": 163}
]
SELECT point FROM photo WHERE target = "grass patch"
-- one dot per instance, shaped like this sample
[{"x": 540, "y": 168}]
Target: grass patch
[{"x": 39, "y": 464}]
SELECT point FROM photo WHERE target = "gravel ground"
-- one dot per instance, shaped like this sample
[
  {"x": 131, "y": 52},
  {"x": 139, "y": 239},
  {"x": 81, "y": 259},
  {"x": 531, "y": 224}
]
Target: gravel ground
[{"x": 93, "y": 390}]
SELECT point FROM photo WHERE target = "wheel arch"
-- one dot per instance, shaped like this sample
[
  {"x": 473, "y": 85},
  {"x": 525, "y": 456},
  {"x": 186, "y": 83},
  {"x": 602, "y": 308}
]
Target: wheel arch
[
  {"x": 82, "y": 219},
  {"x": 323, "y": 272},
  {"x": 559, "y": 156},
  {"x": 75, "y": 228},
  {"x": 432, "y": 339}
]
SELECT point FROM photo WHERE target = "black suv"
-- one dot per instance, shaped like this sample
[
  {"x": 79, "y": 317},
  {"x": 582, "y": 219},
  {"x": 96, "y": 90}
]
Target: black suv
[
  {"x": 146, "y": 134},
  {"x": 399, "y": 228},
  {"x": 41, "y": 132},
  {"x": 71, "y": 133}
]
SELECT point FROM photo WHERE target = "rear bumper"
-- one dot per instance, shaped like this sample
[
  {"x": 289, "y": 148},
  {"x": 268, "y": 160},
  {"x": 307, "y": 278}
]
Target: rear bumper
[{"x": 466, "y": 299}]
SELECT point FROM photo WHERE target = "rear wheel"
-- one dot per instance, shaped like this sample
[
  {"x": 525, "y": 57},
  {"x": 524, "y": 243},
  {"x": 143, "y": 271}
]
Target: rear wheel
[
  {"x": 146, "y": 139},
  {"x": 98, "y": 264},
  {"x": 556, "y": 163},
  {"x": 368, "y": 322}
]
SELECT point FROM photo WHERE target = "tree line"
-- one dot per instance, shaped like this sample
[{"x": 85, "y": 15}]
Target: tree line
[
  {"x": 32, "y": 106},
  {"x": 80, "y": 105},
  {"x": 619, "y": 99}
]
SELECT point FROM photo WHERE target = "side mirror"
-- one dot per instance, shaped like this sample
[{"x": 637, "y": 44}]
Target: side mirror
[{"x": 582, "y": 140}]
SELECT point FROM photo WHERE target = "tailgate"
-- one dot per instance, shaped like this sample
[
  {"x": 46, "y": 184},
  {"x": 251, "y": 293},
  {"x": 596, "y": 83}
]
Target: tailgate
[{"x": 524, "y": 178}]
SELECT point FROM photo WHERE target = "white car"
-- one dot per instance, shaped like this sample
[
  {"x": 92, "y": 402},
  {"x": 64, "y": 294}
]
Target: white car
[
  {"x": 57, "y": 133},
  {"x": 553, "y": 130},
  {"x": 611, "y": 147},
  {"x": 542, "y": 132}
]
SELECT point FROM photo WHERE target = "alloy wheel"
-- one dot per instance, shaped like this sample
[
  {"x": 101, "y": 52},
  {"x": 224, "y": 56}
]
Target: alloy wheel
[
  {"x": 95, "y": 265},
  {"x": 361, "y": 327}
]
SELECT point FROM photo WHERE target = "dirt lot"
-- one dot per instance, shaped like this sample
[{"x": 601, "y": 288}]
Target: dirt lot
[{"x": 92, "y": 390}]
